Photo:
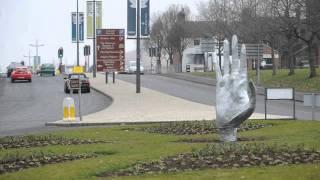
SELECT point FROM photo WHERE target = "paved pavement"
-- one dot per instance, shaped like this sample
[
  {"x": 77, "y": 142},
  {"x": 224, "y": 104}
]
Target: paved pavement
[
  {"x": 148, "y": 106},
  {"x": 26, "y": 107}
]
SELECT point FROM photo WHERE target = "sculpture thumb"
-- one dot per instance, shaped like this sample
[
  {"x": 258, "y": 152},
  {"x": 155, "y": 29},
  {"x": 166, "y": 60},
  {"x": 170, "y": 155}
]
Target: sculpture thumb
[{"x": 236, "y": 121}]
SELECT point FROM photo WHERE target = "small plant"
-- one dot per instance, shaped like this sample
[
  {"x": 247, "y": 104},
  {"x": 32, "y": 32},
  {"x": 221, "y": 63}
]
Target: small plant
[
  {"x": 195, "y": 127},
  {"x": 38, "y": 141},
  {"x": 16, "y": 162},
  {"x": 225, "y": 155}
]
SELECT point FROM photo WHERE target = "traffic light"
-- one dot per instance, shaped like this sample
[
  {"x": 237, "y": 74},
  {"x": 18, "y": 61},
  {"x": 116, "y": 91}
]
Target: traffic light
[
  {"x": 60, "y": 52},
  {"x": 86, "y": 50}
]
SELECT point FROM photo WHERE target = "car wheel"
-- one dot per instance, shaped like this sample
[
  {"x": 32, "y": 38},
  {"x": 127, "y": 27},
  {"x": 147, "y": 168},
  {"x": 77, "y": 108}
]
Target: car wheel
[
  {"x": 30, "y": 80},
  {"x": 88, "y": 91},
  {"x": 12, "y": 80},
  {"x": 53, "y": 74}
]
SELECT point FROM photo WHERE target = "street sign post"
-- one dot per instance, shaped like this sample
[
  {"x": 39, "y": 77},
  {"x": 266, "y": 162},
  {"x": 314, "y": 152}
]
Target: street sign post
[
  {"x": 276, "y": 94},
  {"x": 110, "y": 50}
]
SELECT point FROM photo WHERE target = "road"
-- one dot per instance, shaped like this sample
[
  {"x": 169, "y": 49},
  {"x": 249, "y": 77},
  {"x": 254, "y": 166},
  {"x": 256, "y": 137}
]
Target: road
[
  {"x": 205, "y": 94},
  {"x": 26, "y": 107}
]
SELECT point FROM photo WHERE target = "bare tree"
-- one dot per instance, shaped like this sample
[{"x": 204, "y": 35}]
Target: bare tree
[{"x": 307, "y": 29}]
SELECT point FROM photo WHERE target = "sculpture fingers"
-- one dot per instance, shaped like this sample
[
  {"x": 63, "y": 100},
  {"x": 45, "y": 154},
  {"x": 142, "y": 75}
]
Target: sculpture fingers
[
  {"x": 235, "y": 66},
  {"x": 247, "y": 110},
  {"x": 226, "y": 57},
  {"x": 243, "y": 63}
]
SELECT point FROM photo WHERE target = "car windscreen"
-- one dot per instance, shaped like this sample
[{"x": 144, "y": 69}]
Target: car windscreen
[
  {"x": 132, "y": 63},
  {"x": 21, "y": 69},
  {"x": 76, "y": 76}
]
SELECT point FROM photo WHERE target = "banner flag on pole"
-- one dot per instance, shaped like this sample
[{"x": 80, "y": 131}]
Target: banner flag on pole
[{"x": 90, "y": 17}]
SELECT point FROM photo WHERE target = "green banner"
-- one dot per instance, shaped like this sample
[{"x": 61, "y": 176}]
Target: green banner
[{"x": 90, "y": 14}]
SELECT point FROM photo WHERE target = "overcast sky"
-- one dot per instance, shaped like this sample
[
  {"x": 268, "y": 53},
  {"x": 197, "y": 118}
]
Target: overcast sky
[{"x": 49, "y": 21}]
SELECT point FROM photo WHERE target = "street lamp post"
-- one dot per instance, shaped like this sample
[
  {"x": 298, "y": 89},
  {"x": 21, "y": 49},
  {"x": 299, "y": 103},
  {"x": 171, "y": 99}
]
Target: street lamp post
[
  {"x": 37, "y": 45},
  {"x": 77, "y": 32},
  {"x": 29, "y": 56}
]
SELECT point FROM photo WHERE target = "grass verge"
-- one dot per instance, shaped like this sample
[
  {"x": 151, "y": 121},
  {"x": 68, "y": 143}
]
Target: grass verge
[
  {"x": 131, "y": 146},
  {"x": 299, "y": 81}
]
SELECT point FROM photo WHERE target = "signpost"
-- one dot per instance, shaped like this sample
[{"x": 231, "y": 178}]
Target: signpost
[
  {"x": 280, "y": 94},
  {"x": 312, "y": 100},
  {"x": 110, "y": 50}
]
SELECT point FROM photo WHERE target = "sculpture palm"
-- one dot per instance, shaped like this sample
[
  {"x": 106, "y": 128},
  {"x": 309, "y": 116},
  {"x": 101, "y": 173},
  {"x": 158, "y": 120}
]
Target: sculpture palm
[{"x": 235, "y": 96}]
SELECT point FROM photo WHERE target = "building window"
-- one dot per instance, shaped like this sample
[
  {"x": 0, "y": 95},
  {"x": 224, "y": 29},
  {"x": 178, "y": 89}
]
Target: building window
[{"x": 196, "y": 42}]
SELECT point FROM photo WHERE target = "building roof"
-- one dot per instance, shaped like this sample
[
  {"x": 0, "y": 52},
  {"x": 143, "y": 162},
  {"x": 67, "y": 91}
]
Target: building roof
[{"x": 198, "y": 29}]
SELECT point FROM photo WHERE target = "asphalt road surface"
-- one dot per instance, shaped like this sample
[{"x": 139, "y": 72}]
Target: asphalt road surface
[
  {"x": 205, "y": 94},
  {"x": 26, "y": 107}
]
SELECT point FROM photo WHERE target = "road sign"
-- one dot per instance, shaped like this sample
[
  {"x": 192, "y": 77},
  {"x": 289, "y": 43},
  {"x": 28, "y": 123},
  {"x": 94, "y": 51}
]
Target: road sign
[
  {"x": 110, "y": 50},
  {"x": 77, "y": 69},
  {"x": 207, "y": 44}
]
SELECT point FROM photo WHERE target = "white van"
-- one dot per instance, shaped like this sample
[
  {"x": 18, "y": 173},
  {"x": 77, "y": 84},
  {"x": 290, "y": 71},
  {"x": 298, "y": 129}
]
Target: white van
[{"x": 132, "y": 67}]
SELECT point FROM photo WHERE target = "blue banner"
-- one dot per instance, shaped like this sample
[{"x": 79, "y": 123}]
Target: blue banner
[
  {"x": 132, "y": 18},
  {"x": 145, "y": 17},
  {"x": 74, "y": 26},
  {"x": 81, "y": 26}
]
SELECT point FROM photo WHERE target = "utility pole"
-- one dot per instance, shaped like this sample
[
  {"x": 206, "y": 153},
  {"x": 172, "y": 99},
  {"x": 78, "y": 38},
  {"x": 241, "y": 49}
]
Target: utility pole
[
  {"x": 138, "y": 48},
  {"x": 77, "y": 32},
  {"x": 29, "y": 56},
  {"x": 37, "y": 45},
  {"x": 94, "y": 40}
]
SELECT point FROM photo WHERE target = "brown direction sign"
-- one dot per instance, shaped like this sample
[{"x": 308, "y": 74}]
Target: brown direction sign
[{"x": 110, "y": 50}]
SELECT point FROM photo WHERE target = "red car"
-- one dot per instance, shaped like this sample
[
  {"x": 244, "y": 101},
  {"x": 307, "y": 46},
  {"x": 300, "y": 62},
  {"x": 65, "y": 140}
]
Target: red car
[{"x": 21, "y": 73}]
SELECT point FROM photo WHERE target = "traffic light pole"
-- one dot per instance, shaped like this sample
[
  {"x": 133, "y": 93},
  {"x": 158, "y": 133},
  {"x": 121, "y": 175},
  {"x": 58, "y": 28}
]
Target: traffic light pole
[{"x": 138, "y": 49}]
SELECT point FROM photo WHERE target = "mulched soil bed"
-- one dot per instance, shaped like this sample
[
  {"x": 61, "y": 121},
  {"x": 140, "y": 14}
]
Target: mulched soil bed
[
  {"x": 212, "y": 140},
  {"x": 196, "y": 127},
  {"x": 39, "y": 141},
  {"x": 223, "y": 156},
  {"x": 16, "y": 163}
]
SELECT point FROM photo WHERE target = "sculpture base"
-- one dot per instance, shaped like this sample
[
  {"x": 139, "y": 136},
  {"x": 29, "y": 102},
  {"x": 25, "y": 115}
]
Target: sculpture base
[{"x": 228, "y": 134}]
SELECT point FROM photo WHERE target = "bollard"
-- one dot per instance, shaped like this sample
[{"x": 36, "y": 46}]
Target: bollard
[
  {"x": 68, "y": 109},
  {"x": 114, "y": 77},
  {"x": 107, "y": 77}
]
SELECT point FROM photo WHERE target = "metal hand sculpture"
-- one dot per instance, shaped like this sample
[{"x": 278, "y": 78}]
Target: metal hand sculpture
[{"x": 235, "y": 97}]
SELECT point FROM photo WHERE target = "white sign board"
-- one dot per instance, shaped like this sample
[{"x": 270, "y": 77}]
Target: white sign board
[
  {"x": 308, "y": 100},
  {"x": 279, "y": 94},
  {"x": 207, "y": 44}
]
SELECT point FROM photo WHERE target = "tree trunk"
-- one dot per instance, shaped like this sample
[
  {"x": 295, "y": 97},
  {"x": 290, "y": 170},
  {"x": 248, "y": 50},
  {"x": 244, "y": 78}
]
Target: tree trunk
[
  {"x": 274, "y": 66},
  {"x": 159, "y": 65},
  {"x": 313, "y": 72},
  {"x": 171, "y": 58},
  {"x": 291, "y": 60}
]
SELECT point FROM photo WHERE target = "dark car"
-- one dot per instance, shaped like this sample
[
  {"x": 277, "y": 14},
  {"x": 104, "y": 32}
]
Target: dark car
[
  {"x": 11, "y": 68},
  {"x": 47, "y": 69},
  {"x": 69, "y": 79}
]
